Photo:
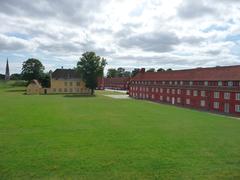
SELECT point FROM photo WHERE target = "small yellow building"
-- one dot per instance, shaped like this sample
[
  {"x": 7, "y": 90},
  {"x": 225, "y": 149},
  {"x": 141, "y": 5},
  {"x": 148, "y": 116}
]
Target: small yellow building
[
  {"x": 34, "y": 87},
  {"x": 67, "y": 81},
  {"x": 62, "y": 81}
]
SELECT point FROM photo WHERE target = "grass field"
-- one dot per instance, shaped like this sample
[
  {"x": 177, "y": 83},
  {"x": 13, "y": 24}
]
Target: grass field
[{"x": 59, "y": 137}]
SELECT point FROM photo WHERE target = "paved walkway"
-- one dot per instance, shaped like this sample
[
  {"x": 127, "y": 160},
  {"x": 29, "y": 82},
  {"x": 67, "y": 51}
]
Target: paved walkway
[
  {"x": 112, "y": 90},
  {"x": 125, "y": 96}
]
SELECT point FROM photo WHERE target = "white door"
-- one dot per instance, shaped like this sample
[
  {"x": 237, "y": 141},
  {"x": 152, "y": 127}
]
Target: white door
[
  {"x": 226, "y": 107},
  {"x": 173, "y": 100}
]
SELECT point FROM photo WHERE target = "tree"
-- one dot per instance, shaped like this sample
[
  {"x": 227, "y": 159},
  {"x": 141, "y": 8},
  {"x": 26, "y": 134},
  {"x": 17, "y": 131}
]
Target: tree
[
  {"x": 111, "y": 73},
  {"x": 32, "y": 69},
  {"x": 127, "y": 74},
  {"x": 16, "y": 76},
  {"x": 120, "y": 72},
  {"x": 135, "y": 71},
  {"x": 151, "y": 70},
  {"x": 91, "y": 67},
  {"x": 160, "y": 70},
  {"x": 45, "y": 80},
  {"x": 2, "y": 76},
  {"x": 169, "y": 69}
]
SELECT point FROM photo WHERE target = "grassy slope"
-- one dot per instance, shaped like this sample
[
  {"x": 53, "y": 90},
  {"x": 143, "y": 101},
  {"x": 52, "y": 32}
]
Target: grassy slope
[{"x": 99, "y": 137}]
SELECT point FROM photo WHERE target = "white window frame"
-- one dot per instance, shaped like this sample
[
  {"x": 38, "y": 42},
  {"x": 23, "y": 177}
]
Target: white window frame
[
  {"x": 216, "y": 105},
  {"x": 227, "y": 95},
  {"x": 216, "y": 95},
  {"x": 237, "y": 96},
  {"x": 237, "y": 108}
]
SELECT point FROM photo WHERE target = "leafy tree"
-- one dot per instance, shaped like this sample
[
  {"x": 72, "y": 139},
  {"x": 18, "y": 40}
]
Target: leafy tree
[
  {"x": 45, "y": 80},
  {"x": 2, "y": 76},
  {"x": 16, "y": 76},
  {"x": 151, "y": 70},
  {"x": 120, "y": 72},
  {"x": 127, "y": 74},
  {"x": 32, "y": 69},
  {"x": 169, "y": 69},
  {"x": 160, "y": 70},
  {"x": 91, "y": 67},
  {"x": 135, "y": 71},
  {"x": 112, "y": 73}
]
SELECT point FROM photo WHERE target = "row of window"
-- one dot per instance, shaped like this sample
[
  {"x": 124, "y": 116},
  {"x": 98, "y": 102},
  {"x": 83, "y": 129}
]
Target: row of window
[
  {"x": 188, "y": 92},
  {"x": 190, "y": 83},
  {"x": 71, "y": 83},
  {"x": 60, "y": 90},
  {"x": 216, "y": 105}
]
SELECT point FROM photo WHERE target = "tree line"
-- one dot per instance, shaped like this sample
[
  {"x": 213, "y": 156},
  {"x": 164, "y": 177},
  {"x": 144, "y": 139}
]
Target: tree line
[{"x": 121, "y": 72}]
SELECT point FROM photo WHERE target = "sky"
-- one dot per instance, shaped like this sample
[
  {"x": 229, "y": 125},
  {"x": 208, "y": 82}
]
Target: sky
[{"x": 177, "y": 34}]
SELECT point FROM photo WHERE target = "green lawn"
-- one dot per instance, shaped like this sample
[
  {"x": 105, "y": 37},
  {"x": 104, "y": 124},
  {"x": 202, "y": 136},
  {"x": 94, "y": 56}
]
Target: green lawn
[{"x": 59, "y": 137}]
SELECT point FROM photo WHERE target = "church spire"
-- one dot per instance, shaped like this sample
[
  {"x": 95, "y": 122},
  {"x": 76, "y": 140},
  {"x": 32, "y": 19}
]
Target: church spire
[{"x": 7, "y": 73}]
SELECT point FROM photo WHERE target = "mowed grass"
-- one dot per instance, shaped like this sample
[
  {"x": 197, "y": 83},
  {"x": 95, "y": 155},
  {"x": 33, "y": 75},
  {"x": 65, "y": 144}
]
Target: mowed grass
[{"x": 59, "y": 137}]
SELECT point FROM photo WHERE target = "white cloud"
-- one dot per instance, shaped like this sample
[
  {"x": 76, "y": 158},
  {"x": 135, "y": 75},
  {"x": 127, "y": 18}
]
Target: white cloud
[{"x": 157, "y": 33}]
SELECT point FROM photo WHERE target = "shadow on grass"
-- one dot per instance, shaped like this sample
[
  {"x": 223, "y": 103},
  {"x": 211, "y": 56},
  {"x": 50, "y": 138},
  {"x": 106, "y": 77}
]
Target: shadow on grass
[
  {"x": 16, "y": 90},
  {"x": 78, "y": 95}
]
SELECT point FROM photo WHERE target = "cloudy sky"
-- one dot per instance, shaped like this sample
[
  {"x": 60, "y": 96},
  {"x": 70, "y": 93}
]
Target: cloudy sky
[{"x": 174, "y": 34}]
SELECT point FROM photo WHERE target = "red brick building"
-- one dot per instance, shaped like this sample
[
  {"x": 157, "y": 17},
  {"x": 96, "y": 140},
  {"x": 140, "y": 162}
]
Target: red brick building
[
  {"x": 213, "y": 89},
  {"x": 118, "y": 83}
]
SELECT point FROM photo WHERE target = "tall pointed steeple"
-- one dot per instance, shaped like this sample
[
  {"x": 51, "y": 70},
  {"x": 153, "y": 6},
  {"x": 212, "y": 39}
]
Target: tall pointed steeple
[{"x": 7, "y": 72}]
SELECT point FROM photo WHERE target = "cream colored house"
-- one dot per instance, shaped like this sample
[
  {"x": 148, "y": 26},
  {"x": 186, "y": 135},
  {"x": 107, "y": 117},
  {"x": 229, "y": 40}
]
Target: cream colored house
[
  {"x": 62, "y": 81},
  {"x": 67, "y": 81},
  {"x": 34, "y": 87}
]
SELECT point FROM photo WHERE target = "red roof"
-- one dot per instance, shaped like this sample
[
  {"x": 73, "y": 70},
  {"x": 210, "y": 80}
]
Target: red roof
[{"x": 223, "y": 73}]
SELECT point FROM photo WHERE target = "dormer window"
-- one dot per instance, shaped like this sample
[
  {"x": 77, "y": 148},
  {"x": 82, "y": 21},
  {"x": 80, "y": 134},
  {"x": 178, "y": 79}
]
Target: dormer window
[
  {"x": 220, "y": 83},
  {"x": 190, "y": 83},
  {"x": 206, "y": 83},
  {"x": 181, "y": 82},
  {"x": 230, "y": 83},
  {"x": 176, "y": 82}
]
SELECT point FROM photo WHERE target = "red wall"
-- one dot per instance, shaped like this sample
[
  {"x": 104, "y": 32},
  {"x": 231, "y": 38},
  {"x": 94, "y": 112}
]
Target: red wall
[{"x": 195, "y": 100}]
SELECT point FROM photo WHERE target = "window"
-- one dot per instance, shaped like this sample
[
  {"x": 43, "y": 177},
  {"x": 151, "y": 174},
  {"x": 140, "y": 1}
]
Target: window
[
  {"x": 181, "y": 82},
  {"x": 170, "y": 82},
  {"x": 70, "y": 83},
  {"x": 60, "y": 90},
  {"x": 226, "y": 95},
  {"x": 54, "y": 89},
  {"x": 238, "y": 96},
  {"x": 195, "y": 93},
  {"x": 188, "y": 101},
  {"x": 178, "y": 100},
  {"x": 161, "y": 98},
  {"x": 179, "y": 91},
  {"x": 168, "y": 98},
  {"x": 161, "y": 90},
  {"x": 168, "y": 91},
  {"x": 190, "y": 83},
  {"x": 203, "y": 93},
  {"x": 230, "y": 83},
  {"x": 216, "y": 95},
  {"x": 78, "y": 83},
  {"x": 153, "y": 96},
  {"x": 237, "y": 108},
  {"x": 202, "y": 103},
  {"x": 65, "y": 83},
  {"x": 173, "y": 91},
  {"x": 216, "y": 105},
  {"x": 206, "y": 83},
  {"x": 156, "y": 90},
  {"x": 70, "y": 90},
  {"x": 188, "y": 92},
  {"x": 65, "y": 89},
  {"x": 175, "y": 83},
  {"x": 219, "y": 83}
]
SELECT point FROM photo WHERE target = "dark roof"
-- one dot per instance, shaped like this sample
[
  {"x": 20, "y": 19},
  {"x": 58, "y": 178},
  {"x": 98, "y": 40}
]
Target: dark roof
[
  {"x": 224, "y": 73},
  {"x": 65, "y": 74}
]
